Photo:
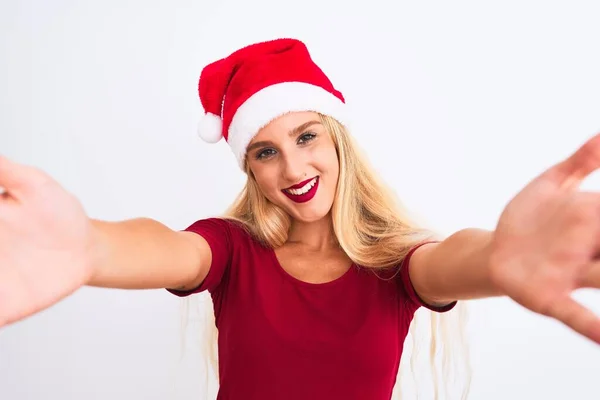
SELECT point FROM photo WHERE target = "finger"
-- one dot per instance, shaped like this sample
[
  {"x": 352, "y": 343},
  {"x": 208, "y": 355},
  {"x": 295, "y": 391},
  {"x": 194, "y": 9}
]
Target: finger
[
  {"x": 16, "y": 179},
  {"x": 572, "y": 171},
  {"x": 11, "y": 175},
  {"x": 577, "y": 317}
]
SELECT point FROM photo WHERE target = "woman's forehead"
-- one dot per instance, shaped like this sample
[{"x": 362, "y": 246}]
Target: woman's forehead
[{"x": 285, "y": 124}]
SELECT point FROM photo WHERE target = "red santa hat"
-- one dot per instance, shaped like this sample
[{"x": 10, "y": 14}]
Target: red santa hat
[{"x": 245, "y": 91}]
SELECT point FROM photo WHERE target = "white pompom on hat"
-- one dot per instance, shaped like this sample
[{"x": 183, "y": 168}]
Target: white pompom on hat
[{"x": 210, "y": 128}]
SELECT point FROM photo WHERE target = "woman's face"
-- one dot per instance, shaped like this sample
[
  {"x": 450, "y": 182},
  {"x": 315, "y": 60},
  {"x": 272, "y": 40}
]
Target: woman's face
[{"x": 295, "y": 164}]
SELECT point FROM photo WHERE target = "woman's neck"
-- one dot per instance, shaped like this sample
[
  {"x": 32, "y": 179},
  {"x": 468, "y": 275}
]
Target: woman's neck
[{"x": 316, "y": 236}]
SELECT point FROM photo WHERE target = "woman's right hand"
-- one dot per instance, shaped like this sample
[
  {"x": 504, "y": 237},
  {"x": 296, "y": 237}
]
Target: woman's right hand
[{"x": 46, "y": 242}]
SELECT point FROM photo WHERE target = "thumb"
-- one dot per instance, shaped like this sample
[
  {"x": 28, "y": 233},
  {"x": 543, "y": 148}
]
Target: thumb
[
  {"x": 569, "y": 173},
  {"x": 17, "y": 179}
]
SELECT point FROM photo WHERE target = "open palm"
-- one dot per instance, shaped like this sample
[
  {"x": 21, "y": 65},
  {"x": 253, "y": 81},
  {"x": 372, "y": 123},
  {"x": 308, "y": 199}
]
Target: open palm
[
  {"x": 45, "y": 242},
  {"x": 547, "y": 240}
]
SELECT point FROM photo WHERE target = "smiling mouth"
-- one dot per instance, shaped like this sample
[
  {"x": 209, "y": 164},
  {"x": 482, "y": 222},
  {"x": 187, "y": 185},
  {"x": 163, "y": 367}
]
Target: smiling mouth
[
  {"x": 304, "y": 191},
  {"x": 302, "y": 187}
]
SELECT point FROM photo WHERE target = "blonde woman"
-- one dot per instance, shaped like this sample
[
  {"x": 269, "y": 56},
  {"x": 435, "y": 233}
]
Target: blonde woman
[{"x": 314, "y": 272}]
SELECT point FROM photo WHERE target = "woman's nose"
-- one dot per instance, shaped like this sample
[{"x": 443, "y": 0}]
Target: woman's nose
[{"x": 293, "y": 169}]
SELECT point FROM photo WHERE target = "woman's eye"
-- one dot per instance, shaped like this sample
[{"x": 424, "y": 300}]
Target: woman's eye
[
  {"x": 305, "y": 138},
  {"x": 264, "y": 154}
]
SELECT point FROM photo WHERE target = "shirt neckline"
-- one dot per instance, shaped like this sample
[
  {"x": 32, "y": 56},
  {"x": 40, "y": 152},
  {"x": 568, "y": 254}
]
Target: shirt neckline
[{"x": 345, "y": 276}]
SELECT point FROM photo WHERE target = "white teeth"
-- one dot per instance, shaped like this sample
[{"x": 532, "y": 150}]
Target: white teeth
[{"x": 303, "y": 189}]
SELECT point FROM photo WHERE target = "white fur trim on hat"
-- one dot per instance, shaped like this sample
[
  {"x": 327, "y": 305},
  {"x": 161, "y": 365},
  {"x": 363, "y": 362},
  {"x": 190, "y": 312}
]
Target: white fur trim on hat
[
  {"x": 273, "y": 101},
  {"x": 210, "y": 128}
]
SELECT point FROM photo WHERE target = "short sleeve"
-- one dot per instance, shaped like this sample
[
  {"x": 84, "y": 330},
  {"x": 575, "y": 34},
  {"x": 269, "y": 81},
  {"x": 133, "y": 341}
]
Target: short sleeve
[
  {"x": 217, "y": 234},
  {"x": 409, "y": 288}
]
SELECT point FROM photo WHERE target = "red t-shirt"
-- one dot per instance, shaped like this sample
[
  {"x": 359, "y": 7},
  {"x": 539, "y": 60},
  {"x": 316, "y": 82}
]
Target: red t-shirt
[{"x": 282, "y": 338}]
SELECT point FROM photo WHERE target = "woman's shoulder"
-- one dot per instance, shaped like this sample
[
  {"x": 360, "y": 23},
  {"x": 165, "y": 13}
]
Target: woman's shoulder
[{"x": 226, "y": 228}]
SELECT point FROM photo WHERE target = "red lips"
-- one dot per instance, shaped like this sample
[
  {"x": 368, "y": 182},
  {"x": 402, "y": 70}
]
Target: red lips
[
  {"x": 305, "y": 197},
  {"x": 299, "y": 185}
]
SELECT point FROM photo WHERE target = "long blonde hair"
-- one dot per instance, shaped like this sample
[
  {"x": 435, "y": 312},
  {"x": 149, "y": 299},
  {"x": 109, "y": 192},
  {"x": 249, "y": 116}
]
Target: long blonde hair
[{"x": 382, "y": 233}]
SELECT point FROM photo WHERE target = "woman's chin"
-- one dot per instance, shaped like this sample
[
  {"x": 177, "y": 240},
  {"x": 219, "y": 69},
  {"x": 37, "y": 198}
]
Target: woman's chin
[{"x": 309, "y": 214}]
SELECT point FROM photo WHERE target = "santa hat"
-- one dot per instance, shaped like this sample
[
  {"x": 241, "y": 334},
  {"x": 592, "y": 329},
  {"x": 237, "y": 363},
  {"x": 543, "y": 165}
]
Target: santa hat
[{"x": 245, "y": 91}]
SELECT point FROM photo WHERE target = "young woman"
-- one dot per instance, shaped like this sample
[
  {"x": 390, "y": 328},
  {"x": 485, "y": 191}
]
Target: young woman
[{"x": 315, "y": 273}]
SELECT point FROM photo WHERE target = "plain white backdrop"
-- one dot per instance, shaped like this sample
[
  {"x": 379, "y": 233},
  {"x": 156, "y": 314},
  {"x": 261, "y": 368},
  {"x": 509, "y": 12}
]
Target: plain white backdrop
[{"x": 457, "y": 104}]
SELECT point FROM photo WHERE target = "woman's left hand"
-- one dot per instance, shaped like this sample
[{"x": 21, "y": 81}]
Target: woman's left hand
[{"x": 547, "y": 241}]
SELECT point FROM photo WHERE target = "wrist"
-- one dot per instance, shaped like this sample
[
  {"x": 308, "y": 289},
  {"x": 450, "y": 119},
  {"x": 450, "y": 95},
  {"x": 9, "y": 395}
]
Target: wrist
[
  {"x": 495, "y": 267},
  {"x": 97, "y": 250}
]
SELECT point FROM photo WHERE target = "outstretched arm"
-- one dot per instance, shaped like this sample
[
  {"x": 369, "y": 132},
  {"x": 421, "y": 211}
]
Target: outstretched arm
[
  {"x": 454, "y": 269},
  {"x": 458, "y": 268},
  {"x": 544, "y": 247},
  {"x": 49, "y": 247},
  {"x": 142, "y": 253}
]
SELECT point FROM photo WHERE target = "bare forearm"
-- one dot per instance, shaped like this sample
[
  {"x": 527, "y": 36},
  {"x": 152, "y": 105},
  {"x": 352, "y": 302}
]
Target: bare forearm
[
  {"x": 456, "y": 268},
  {"x": 141, "y": 254}
]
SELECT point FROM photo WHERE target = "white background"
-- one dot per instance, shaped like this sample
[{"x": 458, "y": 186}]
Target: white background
[{"x": 458, "y": 104}]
